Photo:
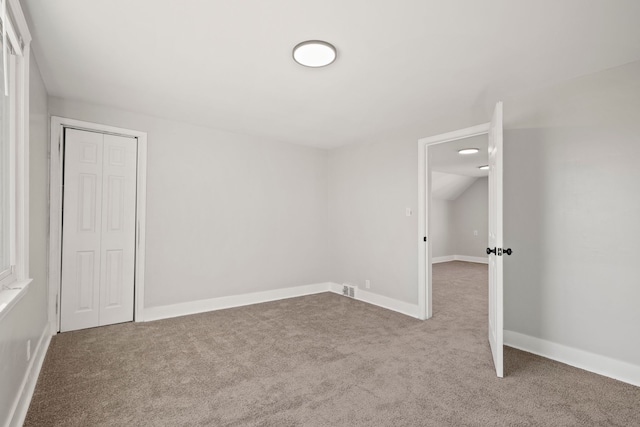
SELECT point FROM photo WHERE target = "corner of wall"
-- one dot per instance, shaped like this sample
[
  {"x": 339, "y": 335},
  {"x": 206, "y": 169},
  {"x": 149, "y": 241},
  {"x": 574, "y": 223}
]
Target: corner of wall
[{"x": 392, "y": 304}]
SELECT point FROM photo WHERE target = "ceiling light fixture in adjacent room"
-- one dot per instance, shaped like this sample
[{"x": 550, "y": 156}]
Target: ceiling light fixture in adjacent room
[
  {"x": 468, "y": 151},
  {"x": 484, "y": 167},
  {"x": 314, "y": 53}
]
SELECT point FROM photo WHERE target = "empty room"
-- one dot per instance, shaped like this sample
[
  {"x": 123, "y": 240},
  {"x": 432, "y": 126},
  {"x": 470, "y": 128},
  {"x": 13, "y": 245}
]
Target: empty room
[{"x": 274, "y": 214}]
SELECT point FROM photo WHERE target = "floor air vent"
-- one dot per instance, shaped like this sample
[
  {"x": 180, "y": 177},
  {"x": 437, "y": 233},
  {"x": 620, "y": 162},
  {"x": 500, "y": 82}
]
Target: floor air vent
[{"x": 349, "y": 291}]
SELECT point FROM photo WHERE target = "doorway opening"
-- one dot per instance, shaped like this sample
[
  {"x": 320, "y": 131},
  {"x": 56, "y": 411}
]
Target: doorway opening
[
  {"x": 493, "y": 131},
  {"x": 97, "y": 224},
  {"x": 459, "y": 225}
]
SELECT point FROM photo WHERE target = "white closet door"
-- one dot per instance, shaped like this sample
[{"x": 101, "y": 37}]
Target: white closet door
[
  {"x": 98, "y": 234},
  {"x": 82, "y": 229},
  {"x": 118, "y": 230}
]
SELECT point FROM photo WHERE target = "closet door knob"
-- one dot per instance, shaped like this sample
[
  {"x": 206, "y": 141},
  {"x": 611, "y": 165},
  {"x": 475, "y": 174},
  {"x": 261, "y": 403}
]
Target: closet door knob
[{"x": 491, "y": 251}]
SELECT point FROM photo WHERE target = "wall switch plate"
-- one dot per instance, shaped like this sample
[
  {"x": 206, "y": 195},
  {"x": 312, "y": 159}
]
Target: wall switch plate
[
  {"x": 367, "y": 284},
  {"x": 409, "y": 212},
  {"x": 475, "y": 232}
]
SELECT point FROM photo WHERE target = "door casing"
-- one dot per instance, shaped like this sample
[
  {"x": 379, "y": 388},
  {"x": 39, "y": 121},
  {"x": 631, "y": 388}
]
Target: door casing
[{"x": 58, "y": 124}]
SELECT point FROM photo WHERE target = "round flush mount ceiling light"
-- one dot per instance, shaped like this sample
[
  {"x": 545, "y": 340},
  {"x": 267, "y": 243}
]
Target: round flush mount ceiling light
[
  {"x": 468, "y": 151},
  {"x": 314, "y": 53},
  {"x": 484, "y": 168}
]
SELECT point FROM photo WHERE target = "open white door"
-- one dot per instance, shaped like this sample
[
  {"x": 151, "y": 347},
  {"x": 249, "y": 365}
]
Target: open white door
[{"x": 495, "y": 239}]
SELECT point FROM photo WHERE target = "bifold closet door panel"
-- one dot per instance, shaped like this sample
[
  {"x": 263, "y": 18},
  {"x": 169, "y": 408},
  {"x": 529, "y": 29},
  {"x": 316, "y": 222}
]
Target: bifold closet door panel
[
  {"x": 118, "y": 229},
  {"x": 98, "y": 230},
  {"x": 82, "y": 229}
]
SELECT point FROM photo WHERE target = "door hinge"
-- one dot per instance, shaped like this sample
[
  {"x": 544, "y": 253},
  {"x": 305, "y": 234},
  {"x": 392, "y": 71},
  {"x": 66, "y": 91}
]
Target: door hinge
[{"x": 56, "y": 304}]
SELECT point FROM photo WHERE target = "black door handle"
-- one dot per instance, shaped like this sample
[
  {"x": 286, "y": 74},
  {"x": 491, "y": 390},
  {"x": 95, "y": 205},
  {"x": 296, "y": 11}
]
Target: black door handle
[{"x": 495, "y": 251}]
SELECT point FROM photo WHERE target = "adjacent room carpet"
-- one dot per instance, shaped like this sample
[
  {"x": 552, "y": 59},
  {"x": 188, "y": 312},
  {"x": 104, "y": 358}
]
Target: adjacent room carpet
[{"x": 319, "y": 360}]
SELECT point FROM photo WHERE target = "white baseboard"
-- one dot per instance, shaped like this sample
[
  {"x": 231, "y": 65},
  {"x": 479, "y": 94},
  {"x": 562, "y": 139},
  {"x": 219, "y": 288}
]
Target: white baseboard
[
  {"x": 478, "y": 259},
  {"x": 612, "y": 368},
  {"x": 201, "y": 306},
  {"x": 28, "y": 386},
  {"x": 439, "y": 259},
  {"x": 465, "y": 258},
  {"x": 381, "y": 301}
]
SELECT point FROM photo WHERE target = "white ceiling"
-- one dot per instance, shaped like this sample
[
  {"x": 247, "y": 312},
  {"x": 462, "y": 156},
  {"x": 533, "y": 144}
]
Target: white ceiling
[
  {"x": 452, "y": 172},
  {"x": 228, "y": 65},
  {"x": 445, "y": 157},
  {"x": 446, "y": 186}
]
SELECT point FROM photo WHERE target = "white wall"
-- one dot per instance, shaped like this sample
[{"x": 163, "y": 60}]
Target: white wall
[
  {"x": 453, "y": 223},
  {"x": 442, "y": 234},
  {"x": 226, "y": 214},
  {"x": 27, "y": 320},
  {"x": 572, "y": 181},
  {"x": 370, "y": 187},
  {"x": 470, "y": 212}
]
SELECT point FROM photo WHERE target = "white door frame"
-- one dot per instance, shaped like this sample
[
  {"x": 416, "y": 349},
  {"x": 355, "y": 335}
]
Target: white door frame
[
  {"x": 424, "y": 211},
  {"x": 58, "y": 124}
]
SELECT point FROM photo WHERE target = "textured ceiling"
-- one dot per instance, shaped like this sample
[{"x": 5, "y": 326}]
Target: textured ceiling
[{"x": 401, "y": 64}]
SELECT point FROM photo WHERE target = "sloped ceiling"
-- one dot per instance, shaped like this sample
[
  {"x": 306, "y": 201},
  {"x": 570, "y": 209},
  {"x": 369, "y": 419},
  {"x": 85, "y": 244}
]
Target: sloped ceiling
[
  {"x": 445, "y": 157},
  {"x": 402, "y": 65},
  {"x": 452, "y": 173},
  {"x": 447, "y": 186}
]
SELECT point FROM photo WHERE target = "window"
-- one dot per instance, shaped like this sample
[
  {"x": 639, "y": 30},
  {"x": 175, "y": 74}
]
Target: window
[
  {"x": 14, "y": 156},
  {"x": 7, "y": 190}
]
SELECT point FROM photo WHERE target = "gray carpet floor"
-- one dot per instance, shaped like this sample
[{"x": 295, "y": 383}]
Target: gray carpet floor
[{"x": 320, "y": 360}]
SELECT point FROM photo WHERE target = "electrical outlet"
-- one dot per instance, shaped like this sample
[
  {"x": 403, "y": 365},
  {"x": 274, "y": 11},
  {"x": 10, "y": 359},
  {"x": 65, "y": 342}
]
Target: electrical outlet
[
  {"x": 475, "y": 232},
  {"x": 28, "y": 350},
  {"x": 367, "y": 284}
]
